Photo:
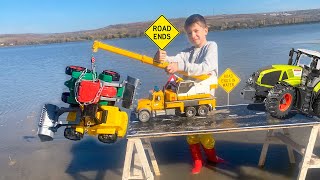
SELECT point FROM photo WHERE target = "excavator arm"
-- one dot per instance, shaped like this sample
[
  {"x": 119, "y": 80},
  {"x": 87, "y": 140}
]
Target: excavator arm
[{"x": 144, "y": 59}]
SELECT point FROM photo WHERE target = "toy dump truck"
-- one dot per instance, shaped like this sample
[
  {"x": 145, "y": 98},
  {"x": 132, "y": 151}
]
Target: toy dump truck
[{"x": 283, "y": 87}]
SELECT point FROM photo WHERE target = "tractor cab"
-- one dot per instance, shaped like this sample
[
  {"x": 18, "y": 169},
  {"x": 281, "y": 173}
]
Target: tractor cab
[{"x": 304, "y": 58}]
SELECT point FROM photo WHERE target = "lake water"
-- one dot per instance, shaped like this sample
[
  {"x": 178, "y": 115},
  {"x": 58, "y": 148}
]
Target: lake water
[{"x": 34, "y": 75}]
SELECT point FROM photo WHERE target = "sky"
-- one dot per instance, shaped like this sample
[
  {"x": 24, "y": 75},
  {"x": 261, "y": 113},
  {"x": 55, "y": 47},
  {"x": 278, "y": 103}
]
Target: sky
[{"x": 56, "y": 16}]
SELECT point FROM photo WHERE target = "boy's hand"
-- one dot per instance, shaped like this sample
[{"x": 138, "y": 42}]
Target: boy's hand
[
  {"x": 160, "y": 56},
  {"x": 172, "y": 68}
]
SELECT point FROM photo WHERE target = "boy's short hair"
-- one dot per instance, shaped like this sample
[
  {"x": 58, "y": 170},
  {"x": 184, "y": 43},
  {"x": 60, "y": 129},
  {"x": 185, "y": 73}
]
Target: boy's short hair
[{"x": 195, "y": 18}]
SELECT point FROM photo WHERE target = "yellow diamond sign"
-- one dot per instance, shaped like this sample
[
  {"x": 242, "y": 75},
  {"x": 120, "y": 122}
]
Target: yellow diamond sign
[
  {"x": 228, "y": 80},
  {"x": 161, "y": 32}
]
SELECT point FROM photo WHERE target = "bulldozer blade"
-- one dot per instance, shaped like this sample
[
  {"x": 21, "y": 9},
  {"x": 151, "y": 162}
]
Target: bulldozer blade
[
  {"x": 130, "y": 92},
  {"x": 47, "y": 121}
]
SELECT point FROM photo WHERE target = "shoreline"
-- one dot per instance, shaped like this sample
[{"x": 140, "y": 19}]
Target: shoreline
[
  {"x": 131, "y": 30},
  {"x": 235, "y": 29}
]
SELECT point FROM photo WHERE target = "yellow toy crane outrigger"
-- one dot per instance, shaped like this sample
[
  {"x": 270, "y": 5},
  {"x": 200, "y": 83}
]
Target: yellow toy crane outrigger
[{"x": 177, "y": 97}]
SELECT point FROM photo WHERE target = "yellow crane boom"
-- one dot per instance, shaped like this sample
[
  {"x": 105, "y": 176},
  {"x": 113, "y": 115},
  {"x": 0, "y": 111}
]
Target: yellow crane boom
[{"x": 143, "y": 58}]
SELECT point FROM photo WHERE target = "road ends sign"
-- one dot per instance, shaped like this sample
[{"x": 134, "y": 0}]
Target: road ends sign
[
  {"x": 162, "y": 32},
  {"x": 228, "y": 80}
]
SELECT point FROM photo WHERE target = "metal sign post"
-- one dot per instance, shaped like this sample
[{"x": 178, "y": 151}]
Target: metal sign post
[{"x": 228, "y": 81}]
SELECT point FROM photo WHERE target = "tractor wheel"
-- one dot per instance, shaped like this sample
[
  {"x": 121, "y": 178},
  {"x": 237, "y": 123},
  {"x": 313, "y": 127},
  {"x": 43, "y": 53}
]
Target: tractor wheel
[
  {"x": 144, "y": 116},
  {"x": 203, "y": 110},
  {"x": 190, "y": 111},
  {"x": 70, "y": 69},
  {"x": 280, "y": 100},
  {"x": 316, "y": 107}
]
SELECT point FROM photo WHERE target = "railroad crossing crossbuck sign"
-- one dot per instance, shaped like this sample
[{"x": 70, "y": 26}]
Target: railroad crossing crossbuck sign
[
  {"x": 228, "y": 80},
  {"x": 161, "y": 32}
]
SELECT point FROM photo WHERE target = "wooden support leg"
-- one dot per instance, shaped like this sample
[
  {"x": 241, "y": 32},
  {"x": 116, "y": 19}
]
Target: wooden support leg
[
  {"x": 148, "y": 147},
  {"x": 289, "y": 148},
  {"x": 265, "y": 148},
  {"x": 305, "y": 164},
  {"x": 143, "y": 159},
  {"x": 137, "y": 167},
  {"x": 127, "y": 161},
  {"x": 139, "y": 158}
]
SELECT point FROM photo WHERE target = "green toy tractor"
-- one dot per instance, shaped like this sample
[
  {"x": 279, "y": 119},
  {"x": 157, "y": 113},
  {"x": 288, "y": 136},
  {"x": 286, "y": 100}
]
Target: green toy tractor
[{"x": 283, "y": 87}]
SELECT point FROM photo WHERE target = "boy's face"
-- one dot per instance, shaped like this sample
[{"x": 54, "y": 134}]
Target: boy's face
[{"x": 197, "y": 34}]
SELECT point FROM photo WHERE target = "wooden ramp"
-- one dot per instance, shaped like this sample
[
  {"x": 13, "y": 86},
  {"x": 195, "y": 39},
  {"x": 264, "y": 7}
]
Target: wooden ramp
[{"x": 227, "y": 119}]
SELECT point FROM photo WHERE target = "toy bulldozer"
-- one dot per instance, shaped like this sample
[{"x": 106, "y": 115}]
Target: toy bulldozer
[{"x": 92, "y": 109}]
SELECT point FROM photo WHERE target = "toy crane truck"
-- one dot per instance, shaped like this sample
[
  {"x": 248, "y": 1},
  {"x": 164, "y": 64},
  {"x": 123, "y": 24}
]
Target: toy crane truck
[
  {"x": 177, "y": 97},
  {"x": 92, "y": 109},
  {"x": 283, "y": 87}
]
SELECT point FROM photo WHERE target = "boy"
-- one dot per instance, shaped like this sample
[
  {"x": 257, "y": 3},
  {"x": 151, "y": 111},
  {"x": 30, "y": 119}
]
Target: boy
[{"x": 201, "y": 58}]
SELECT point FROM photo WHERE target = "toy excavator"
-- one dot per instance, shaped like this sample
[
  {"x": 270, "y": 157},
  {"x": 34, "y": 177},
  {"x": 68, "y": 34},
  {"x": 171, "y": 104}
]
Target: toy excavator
[
  {"x": 177, "y": 97},
  {"x": 284, "y": 87}
]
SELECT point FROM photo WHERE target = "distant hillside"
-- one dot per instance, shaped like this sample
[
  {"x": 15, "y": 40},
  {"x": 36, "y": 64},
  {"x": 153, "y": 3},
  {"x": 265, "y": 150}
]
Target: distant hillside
[{"x": 216, "y": 23}]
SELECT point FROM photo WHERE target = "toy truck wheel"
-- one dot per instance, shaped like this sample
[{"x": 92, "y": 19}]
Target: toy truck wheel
[
  {"x": 144, "y": 116},
  {"x": 70, "y": 69},
  {"x": 280, "y": 100},
  {"x": 316, "y": 107},
  {"x": 115, "y": 76},
  {"x": 191, "y": 111},
  {"x": 108, "y": 138},
  {"x": 203, "y": 110},
  {"x": 178, "y": 112}
]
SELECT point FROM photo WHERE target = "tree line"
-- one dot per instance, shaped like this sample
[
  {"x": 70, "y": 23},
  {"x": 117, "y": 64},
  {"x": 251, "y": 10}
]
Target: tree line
[{"x": 215, "y": 23}]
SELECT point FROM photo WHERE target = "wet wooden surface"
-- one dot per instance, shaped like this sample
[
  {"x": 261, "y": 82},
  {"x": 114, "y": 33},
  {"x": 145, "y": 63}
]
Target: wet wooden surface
[{"x": 235, "y": 118}]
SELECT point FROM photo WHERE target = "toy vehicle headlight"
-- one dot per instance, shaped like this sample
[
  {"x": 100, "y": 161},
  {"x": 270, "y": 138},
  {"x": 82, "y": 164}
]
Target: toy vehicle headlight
[{"x": 250, "y": 80}]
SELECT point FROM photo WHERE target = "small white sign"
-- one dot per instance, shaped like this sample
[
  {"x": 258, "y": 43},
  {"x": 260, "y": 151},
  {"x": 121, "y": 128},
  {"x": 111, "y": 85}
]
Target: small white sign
[{"x": 297, "y": 72}]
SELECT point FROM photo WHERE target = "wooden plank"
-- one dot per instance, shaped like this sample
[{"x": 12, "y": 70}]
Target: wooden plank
[
  {"x": 289, "y": 148},
  {"x": 239, "y": 118},
  {"x": 154, "y": 162},
  {"x": 265, "y": 147},
  {"x": 137, "y": 168},
  {"x": 308, "y": 153},
  {"x": 273, "y": 139},
  {"x": 143, "y": 159},
  {"x": 314, "y": 162},
  {"x": 286, "y": 140},
  {"x": 143, "y": 134},
  {"x": 128, "y": 159}
]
